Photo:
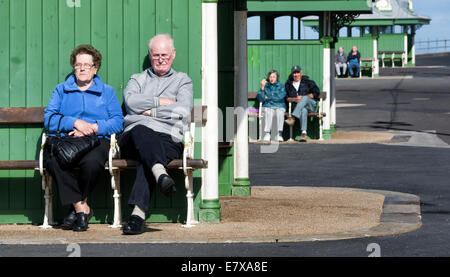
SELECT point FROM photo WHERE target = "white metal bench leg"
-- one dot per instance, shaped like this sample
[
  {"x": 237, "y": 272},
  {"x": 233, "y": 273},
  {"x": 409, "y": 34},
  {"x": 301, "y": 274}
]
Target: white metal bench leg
[
  {"x": 393, "y": 60},
  {"x": 115, "y": 183},
  {"x": 260, "y": 116},
  {"x": 190, "y": 219},
  {"x": 48, "y": 196},
  {"x": 291, "y": 128},
  {"x": 382, "y": 59},
  {"x": 320, "y": 120}
]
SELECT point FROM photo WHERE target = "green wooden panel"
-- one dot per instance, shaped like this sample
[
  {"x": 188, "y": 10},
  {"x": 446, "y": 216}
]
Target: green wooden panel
[
  {"x": 17, "y": 49},
  {"x": 132, "y": 56},
  {"x": 99, "y": 35},
  {"x": 164, "y": 16},
  {"x": 4, "y": 98},
  {"x": 66, "y": 39},
  {"x": 391, "y": 42},
  {"x": 83, "y": 23},
  {"x": 50, "y": 57},
  {"x": 147, "y": 25},
  {"x": 34, "y": 54},
  {"x": 281, "y": 56},
  {"x": 38, "y": 38}
]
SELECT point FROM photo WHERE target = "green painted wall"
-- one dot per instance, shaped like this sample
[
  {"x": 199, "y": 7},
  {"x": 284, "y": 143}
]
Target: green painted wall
[
  {"x": 364, "y": 44},
  {"x": 391, "y": 42},
  {"x": 37, "y": 39},
  {"x": 264, "y": 56}
]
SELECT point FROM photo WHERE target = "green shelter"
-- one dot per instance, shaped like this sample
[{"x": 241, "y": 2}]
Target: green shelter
[
  {"x": 388, "y": 32},
  {"x": 38, "y": 37},
  {"x": 314, "y": 56}
]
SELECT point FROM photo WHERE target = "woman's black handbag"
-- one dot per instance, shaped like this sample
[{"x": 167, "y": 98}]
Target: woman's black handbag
[{"x": 69, "y": 149}]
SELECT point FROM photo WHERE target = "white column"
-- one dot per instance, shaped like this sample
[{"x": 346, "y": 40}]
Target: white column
[
  {"x": 332, "y": 90},
  {"x": 413, "y": 46},
  {"x": 376, "y": 70},
  {"x": 327, "y": 40},
  {"x": 241, "y": 165},
  {"x": 210, "y": 134},
  {"x": 405, "y": 46},
  {"x": 326, "y": 86}
]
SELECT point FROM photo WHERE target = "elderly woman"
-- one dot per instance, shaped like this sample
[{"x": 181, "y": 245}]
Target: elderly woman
[
  {"x": 83, "y": 105},
  {"x": 272, "y": 94}
]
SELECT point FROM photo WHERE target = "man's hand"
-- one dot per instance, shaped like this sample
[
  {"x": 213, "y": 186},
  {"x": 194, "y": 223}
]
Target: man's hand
[
  {"x": 84, "y": 128},
  {"x": 311, "y": 96},
  {"x": 166, "y": 101},
  {"x": 147, "y": 113},
  {"x": 299, "y": 97}
]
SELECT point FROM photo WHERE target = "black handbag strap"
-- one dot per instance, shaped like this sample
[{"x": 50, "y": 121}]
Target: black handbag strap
[{"x": 59, "y": 122}]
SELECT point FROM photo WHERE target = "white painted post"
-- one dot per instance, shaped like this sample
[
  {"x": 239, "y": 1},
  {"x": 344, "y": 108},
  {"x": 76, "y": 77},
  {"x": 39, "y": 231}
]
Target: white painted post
[
  {"x": 376, "y": 65},
  {"x": 405, "y": 47},
  {"x": 413, "y": 46},
  {"x": 241, "y": 167},
  {"x": 326, "y": 40},
  {"x": 332, "y": 90},
  {"x": 210, "y": 134}
]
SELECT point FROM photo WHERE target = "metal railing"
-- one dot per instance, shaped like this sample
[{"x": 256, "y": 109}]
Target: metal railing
[{"x": 432, "y": 46}]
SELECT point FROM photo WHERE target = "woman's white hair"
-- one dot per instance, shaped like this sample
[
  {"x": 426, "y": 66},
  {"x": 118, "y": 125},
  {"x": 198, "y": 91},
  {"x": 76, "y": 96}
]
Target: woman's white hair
[{"x": 167, "y": 36}]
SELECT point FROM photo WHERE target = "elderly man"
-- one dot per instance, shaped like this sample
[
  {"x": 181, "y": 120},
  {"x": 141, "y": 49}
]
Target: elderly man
[
  {"x": 353, "y": 59},
  {"x": 340, "y": 62},
  {"x": 158, "y": 103},
  {"x": 303, "y": 93}
]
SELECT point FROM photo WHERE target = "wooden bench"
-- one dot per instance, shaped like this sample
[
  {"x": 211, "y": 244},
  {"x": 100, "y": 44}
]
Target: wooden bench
[
  {"x": 114, "y": 165},
  {"x": 391, "y": 55},
  {"x": 318, "y": 113},
  {"x": 371, "y": 67}
]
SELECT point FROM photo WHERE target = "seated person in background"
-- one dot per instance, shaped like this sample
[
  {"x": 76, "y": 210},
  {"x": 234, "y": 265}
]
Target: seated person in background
[
  {"x": 353, "y": 61},
  {"x": 158, "y": 102},
  {"x": 340, "y": 62},
  {"x": 303, "y": 93},
  {"x": 272, "y": 95}
]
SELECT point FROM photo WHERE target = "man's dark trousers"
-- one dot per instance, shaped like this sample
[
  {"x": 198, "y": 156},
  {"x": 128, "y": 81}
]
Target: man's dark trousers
[{"x": 148, "y": 148}]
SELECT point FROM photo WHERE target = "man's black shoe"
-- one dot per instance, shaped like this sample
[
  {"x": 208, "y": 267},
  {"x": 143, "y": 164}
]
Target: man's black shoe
[
  {"x": 166, "y": 185},
  {"x": 134, "y": 226}
]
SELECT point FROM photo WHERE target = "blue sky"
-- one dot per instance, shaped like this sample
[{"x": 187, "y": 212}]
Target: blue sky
[{"x": 437, "y": 10}]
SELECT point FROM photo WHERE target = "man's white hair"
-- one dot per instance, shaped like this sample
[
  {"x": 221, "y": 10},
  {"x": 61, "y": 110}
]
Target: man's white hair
[{"x": 167, "y": 36}]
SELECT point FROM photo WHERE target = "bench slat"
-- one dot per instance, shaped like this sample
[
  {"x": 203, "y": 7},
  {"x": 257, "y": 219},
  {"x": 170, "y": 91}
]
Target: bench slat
[
  {"x": 177, "y": 163},
  {"x": 22, "y": 115},
  {"x": 35, "y": 115},
  {"x": 121, "y": 163},
  {"x": 19, "y": 165}
]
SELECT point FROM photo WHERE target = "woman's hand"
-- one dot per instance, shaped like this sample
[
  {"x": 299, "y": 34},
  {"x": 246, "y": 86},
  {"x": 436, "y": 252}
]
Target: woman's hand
[
  {"x": 76, "y": 134},
  {"x": 263, "y": 84},
  {"x": 81, "y": 126}
]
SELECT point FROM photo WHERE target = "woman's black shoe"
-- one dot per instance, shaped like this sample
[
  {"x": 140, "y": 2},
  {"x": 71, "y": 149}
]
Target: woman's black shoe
[
  {"x": 134, "y": 226},
  {"x": 82, "y": 221},
  {"x": 70, "y": 219}
]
